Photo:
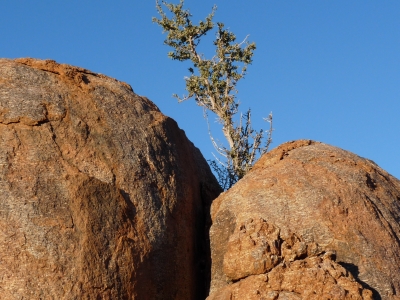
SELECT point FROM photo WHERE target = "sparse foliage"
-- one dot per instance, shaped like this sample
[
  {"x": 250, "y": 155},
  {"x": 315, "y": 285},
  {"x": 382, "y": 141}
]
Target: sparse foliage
[{"x": 212, "y": 83}]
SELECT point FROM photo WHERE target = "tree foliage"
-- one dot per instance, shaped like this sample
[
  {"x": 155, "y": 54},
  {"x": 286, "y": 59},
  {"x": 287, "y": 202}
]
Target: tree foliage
[{"x": 212, "y": 83}]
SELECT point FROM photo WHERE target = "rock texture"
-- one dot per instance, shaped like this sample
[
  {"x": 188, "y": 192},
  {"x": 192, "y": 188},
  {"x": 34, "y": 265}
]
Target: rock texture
[
  {"x": 310, "y": 221},
  {"x": 101, "y": 195}
]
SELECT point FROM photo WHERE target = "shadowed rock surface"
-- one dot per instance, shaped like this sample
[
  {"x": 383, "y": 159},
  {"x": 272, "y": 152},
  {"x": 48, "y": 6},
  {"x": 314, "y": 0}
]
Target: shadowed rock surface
[
  {"x": 101, "y": 195},
  {"x": 310, "y": 221}
]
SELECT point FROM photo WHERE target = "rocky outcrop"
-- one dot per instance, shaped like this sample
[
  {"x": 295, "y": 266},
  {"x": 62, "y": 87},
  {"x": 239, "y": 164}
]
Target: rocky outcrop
[
  {"x": 261, "y": 263},
  {"x": 310, "y": 221},
  {"x": 101, "y": 195}
]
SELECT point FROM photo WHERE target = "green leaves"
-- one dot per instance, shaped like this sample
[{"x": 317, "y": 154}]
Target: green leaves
[
  {"x": 212, "y": 83},
  {"x": 182, "y": 35}
]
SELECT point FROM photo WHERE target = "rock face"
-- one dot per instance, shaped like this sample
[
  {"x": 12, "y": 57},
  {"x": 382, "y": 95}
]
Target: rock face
[
  {"x": 310, "y": 221},
  {"x": 101, "y": 195}
]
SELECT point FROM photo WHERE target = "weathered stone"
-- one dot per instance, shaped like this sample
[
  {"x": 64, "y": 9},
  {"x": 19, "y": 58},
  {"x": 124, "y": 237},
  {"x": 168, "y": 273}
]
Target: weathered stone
[
  {"x": 312, "y": 278},
  {"x": 101, "y": 195},
  {"x": 254, "y": 248},
  {"x": 290, "y": 270},
  {"x": 338, "y": 219}
]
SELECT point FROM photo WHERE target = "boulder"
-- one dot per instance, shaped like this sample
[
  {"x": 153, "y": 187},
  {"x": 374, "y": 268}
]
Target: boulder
[
  {"x": 101, "y": 195},
  {"x": 309, "y": 221}
]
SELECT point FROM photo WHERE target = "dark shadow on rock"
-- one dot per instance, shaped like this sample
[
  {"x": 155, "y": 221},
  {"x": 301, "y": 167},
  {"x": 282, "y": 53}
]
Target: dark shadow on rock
[
  {"x": 85, "y": 79},
  {"x": 204, "y": 246},
  {"x": 131, "y": 209},
  {"x": 353, "y": 269},
  {"x": 371, "y": 182}
]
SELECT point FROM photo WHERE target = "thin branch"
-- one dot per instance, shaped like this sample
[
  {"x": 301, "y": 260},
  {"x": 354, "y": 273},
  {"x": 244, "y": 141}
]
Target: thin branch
[{"x": 214, "y": 88}]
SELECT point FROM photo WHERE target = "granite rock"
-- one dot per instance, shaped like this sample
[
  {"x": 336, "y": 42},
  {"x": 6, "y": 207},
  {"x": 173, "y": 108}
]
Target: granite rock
[
  {"x": 309, "y": 221},
  {"x": 101, "y": 195}
]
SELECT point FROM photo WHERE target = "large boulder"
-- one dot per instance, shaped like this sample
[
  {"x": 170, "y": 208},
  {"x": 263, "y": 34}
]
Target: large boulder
[
  {"x": 310, "y": 221},
  {"x": 101, "y": 195}
]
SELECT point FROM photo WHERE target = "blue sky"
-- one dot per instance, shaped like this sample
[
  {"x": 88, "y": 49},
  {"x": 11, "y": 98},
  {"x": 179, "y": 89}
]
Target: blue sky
[{"x": 328, "y": 70}]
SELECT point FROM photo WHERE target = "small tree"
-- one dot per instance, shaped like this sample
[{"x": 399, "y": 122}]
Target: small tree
[{"x": 212, "y": 83}]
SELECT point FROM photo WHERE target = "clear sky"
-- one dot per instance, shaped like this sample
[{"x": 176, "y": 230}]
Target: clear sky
[{"x": 328, "y": 70}]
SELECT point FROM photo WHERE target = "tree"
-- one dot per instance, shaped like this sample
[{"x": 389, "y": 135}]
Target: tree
[{"x": 212, "y": 83}]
